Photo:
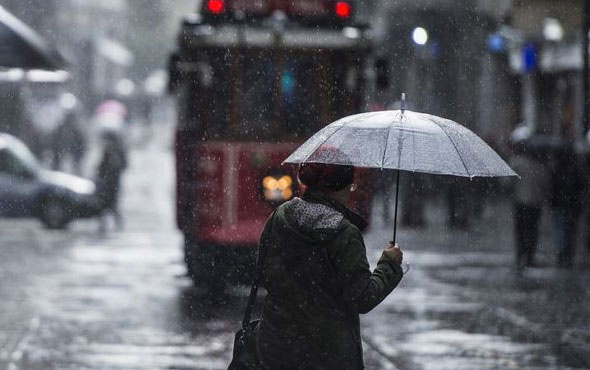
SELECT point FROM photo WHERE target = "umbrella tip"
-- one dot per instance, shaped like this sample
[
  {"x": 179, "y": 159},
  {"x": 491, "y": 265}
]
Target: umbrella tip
[{"x": 403, "y": 102}]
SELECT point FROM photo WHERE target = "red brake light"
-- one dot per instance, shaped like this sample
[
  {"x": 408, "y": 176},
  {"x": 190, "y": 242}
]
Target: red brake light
[
  {"x": 343, "y": 9},
  {"x": 215, "y": 6}
]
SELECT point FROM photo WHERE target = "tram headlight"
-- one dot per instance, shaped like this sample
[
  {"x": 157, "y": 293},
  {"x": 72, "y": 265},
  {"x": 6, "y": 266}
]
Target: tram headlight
[
  {"x": 277, "y": 188},
  {"x": 285, "y": 183},
  {"x": 270, "y": 183}
]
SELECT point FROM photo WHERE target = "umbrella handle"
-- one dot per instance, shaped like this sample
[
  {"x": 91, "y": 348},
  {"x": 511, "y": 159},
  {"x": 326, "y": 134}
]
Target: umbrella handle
[{"x": 395, "y": 210}]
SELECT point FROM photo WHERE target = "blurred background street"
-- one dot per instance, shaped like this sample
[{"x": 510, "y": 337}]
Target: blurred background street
[
  {"x": 141, "y": 150},
  {"x": 82, "y": 300}
]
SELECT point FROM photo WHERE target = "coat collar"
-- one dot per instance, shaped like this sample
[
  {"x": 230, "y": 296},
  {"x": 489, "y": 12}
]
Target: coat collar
[{"x": 353, "y": 217}]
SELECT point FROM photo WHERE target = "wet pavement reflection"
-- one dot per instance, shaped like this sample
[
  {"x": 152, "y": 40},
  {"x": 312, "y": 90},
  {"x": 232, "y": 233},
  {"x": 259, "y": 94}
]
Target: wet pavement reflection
[
  {"x": 82, "y": 300},
  {"x": 463, "y": 306}
]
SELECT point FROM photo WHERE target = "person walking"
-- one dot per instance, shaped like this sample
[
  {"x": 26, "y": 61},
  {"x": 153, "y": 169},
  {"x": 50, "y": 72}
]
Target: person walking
[
  {"x": 69, "y": 140},
  {"x": 566, "y": 190},
  {"x": 317, "y": 276},
  {"x": 110, "y": 169},
  {"x": 530, "y": 192}
]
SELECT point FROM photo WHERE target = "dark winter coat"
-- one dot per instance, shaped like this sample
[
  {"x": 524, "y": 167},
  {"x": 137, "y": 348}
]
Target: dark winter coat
[
  {"x": 318, "y": 282},
  {"x": 112, "y": 165}
]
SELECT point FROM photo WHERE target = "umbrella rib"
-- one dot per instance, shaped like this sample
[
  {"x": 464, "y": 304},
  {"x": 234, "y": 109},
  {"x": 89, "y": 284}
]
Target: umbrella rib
[
  {"x": 454, "y": 145},
  {"x": 386, "y": 145},
  {"x": 323, "y": 142},
  {"x": 413, "y": 150}
]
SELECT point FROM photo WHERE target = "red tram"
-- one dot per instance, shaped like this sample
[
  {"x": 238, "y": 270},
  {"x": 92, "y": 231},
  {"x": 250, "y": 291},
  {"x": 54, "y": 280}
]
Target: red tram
[{"x": 253, "y": 79}]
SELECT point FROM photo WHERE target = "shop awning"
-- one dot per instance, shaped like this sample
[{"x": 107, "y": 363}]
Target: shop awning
[{"x": 22, "y": 47}]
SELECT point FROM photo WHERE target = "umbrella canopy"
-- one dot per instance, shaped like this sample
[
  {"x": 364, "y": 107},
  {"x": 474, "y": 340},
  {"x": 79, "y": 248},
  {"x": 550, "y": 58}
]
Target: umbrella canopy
[
  {"x": 403, "y": 140},
  {"x": 22, "y": 47}
]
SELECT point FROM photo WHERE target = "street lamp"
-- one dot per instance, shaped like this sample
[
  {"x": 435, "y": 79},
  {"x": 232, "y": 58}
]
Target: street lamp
[
  {"x": 552, "y": 29},
  {"x": 420, "y": 36}
]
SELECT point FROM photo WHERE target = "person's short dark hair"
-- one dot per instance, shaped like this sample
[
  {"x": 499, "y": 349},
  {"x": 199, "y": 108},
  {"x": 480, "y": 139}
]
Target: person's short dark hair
[{"x": 325, "y": 177}]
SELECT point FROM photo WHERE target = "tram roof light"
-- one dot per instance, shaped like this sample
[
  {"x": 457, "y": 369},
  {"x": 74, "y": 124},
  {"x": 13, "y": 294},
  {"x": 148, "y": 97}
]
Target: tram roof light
[
  {"x": 316, "y": 11},
  {"x": 420, "y": 36},
  {"x": 215, "y": 6},
  {"x": 343, "y": 9}
]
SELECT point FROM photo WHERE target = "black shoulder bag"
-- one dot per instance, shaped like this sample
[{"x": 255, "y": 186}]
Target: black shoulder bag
[{"x": 245, "y": 355}]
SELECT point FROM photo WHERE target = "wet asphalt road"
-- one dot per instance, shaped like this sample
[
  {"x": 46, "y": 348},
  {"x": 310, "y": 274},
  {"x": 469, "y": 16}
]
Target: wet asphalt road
[{"x": 81, "y": 300}]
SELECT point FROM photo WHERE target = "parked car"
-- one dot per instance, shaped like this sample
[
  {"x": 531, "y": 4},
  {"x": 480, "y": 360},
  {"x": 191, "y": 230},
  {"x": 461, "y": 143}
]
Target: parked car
[{"x": 28, "y": 190}]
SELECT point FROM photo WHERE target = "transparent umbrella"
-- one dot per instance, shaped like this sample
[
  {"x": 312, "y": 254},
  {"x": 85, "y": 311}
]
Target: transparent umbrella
[{"x": 403, "y": 140}]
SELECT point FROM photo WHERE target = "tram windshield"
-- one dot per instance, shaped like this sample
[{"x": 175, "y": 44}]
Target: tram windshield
[{"x": 272, "y": 95}]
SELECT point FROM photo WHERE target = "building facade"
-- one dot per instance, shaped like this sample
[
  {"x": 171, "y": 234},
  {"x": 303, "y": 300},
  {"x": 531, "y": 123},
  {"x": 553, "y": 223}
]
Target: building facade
[{"x": 547, "y": 56}]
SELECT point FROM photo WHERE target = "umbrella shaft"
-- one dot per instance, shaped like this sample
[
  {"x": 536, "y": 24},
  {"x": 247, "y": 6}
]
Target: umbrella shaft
[{"x": 395, "y": 210}]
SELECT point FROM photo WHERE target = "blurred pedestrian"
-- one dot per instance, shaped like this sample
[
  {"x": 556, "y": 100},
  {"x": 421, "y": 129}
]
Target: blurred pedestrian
[
  {"x": 68, "y": 140},
  {"x": 586, "y": 196},
  {"x": 317, "y": 276},
  {"x": 111, "y": 115},
  {"x": 530, "y": 193},
  {"x": 566, "y": 190},
  {"x": 108, "y": 178}
]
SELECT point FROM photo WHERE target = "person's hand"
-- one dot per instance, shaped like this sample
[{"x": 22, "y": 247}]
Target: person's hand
[{"x": 394, "y": 252}]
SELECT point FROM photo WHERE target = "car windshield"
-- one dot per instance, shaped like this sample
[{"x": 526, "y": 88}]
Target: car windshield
[{"x": 18, "y": 160}]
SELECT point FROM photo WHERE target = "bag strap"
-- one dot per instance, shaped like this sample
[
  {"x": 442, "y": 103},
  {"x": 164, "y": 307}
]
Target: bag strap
[{"x": 262, "y": 248}]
